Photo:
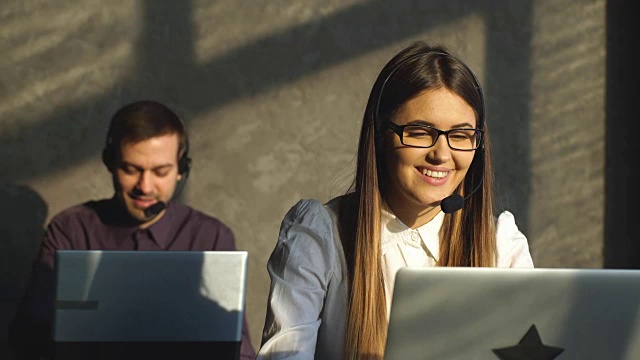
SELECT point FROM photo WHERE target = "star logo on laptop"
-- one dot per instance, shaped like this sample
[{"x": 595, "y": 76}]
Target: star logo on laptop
[{"x": 530, "y": 347}]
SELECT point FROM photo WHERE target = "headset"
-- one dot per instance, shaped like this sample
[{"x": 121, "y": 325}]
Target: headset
[{"x": 454, "y": 202}]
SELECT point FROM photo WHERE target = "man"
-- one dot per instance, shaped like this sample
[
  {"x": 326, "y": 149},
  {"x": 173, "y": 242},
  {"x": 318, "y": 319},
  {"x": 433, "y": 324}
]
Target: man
[{"x": 147, "y": 155}]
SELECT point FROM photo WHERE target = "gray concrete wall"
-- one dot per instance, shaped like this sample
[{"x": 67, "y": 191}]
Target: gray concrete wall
[{"x": 273, "y": 91}]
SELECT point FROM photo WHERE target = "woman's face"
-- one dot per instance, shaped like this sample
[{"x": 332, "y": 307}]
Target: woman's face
[{"x": 420, "y": 177}]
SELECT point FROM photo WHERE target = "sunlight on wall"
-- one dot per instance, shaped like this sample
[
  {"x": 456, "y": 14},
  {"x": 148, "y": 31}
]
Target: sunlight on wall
[
  {"x": 567, "y": 133},
  {"x": 90, "y": 75},
  {"x": 58, "y": 54},
  {"x": 225, "y": 26}
]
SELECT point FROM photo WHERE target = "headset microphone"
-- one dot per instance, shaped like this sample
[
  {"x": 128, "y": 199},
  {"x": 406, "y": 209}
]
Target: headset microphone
[
  {"x": 155, "y": 209},
  {"x": 453, "y": 203}
]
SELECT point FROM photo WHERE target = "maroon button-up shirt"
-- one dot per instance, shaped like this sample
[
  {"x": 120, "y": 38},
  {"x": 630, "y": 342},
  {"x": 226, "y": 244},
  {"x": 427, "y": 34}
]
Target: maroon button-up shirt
[{"x": 105, "y": 225}]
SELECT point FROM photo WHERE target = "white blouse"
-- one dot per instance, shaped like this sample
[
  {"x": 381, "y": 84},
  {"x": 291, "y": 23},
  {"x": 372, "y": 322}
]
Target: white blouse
[{"x": 306, "y": 309}]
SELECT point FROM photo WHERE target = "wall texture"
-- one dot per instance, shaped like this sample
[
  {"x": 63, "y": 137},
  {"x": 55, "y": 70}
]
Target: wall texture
[{"x": 273, "y": 91}]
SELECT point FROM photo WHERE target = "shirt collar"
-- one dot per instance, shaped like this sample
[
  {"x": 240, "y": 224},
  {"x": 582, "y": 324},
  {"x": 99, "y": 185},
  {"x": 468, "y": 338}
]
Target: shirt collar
[
  {"x": 430, "y": 234},
  {"x": 393, "y": 228},
  {"x": 159, "y": 230}
]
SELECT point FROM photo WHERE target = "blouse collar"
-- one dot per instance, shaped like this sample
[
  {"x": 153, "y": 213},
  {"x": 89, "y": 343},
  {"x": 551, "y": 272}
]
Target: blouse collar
[{"x": 395, "y": 231}]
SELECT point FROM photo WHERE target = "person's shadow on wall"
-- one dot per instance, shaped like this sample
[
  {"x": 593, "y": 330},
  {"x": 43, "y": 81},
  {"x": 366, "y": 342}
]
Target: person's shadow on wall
[{"x": 22, "y": 216}]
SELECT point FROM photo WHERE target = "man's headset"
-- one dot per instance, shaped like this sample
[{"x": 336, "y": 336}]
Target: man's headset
[
  {"x": 110, "y": 156},
  {"x": 454, "y": 202}
]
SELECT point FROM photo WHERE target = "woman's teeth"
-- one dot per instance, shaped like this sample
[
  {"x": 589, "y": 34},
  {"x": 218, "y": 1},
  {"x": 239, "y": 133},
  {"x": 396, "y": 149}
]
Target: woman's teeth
[{"x": 434, "y": 174}]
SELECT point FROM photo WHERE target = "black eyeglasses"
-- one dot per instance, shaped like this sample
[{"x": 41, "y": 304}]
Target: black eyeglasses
[{"x": 425, "y": 136}]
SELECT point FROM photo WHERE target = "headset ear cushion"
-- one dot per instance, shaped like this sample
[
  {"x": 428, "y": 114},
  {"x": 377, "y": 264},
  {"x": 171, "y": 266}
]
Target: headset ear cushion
[
  {"x": 107, "y": 158},
  {"x": 184, "y": 164}
]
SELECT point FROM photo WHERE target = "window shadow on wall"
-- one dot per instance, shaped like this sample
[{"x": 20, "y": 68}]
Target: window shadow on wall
[{"x": 167, "y": 70}]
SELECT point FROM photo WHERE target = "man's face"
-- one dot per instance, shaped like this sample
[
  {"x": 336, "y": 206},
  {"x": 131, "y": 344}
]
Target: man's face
[{"x": 147, "y": 173}]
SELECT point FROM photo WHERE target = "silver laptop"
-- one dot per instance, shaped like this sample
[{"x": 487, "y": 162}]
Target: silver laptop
[
  {"x": 187, "y": 297},
  {"x": 515, "y": 314}
]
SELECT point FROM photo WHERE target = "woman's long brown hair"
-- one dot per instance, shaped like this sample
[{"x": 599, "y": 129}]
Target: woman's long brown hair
[{"x": 467, "y": 237}]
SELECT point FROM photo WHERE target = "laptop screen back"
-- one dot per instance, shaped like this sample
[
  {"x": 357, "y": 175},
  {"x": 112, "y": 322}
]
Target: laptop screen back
[
  {"x": 489, "y": 314},
  {"x": 149, "y": 296}
]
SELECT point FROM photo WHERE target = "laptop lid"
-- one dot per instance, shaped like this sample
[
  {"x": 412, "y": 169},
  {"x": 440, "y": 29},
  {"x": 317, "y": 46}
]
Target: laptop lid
[
  {"x": 514, "y": 314},
  {"x": 149, "y": 296}
]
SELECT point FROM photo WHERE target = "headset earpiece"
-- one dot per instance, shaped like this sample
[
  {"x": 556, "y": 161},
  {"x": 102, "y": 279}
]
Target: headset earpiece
[
  {"x": 108, "y": 155},
  {"x": 185, "y": 165},
  {"x": 184, "y": 162}
]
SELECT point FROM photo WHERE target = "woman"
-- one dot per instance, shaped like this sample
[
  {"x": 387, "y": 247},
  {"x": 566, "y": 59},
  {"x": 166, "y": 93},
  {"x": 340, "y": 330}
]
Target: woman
[{"x": 422, "y": 196}]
